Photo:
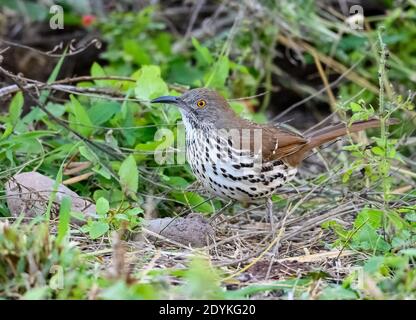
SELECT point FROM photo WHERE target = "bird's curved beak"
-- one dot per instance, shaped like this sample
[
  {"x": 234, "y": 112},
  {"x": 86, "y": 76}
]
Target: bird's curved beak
[{"x": 166, "y": 99}]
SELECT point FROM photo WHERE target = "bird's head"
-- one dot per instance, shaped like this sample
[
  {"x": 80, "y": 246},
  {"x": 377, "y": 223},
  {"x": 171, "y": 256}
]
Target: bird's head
[{"x": 203, "y": 106}]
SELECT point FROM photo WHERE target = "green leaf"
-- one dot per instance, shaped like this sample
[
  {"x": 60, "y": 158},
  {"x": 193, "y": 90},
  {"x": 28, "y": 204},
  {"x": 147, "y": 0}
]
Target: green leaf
[
  {"x": 355, "y": 107},
  {"x": 338, "y": 229},
  {"x": 372, "y": 217},
  {"x": 134, "y": 211},
  {"x": 216, "y": 79},
  {"x": 97, "y": 229},
  {"x": 346, "y": 176},
  {"x": 411, "y": 217},
  {"x": 102, "y": 171},
  {"x": 64, "y": 217},
  {"x": 129, "y": 176},
  {"x": 16, "y": 107},
  {"x": 82, "y": 121},
  {"x": 8, "y": 131},
  {"x": 366, "y": 237},
  {"x": 114, "y": 196},
  {"x": 148, "y": 146},
  {"x": 377, "y": 151},
  {"x": 136, "y": 52},
  {"x": 38, "y": 293},
  {"x": 121, "y": 216},
  {"x": 102, "y": 206},
  {"x": 201, "y": 281},
  {"x": 103, "y": 111},
  {"x": 177, "y": 182},
  {"x": 337, "y": 293},
  {"x": 149, "y": 84},
  {"x": 373, "y": 264},
  {"x": 408, "y": 252},
  {"x": 397, "y": 220},
  {"x": 87, "y": 154},
  {"x": 98, "y": 71},
  {"x": 203, "y": 55}
]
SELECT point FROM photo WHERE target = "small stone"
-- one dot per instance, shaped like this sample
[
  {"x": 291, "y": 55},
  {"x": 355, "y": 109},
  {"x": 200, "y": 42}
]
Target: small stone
[
  {"x": 192, "y": 230},
  {"x": 29, "y": 193}
]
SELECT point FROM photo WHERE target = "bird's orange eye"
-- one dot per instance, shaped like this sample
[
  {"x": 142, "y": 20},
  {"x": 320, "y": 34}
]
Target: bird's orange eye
[{"x": 201, "y": 103}]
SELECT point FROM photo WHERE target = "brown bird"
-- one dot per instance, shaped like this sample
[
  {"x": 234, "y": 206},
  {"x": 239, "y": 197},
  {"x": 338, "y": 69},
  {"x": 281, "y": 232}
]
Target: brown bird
[{"x": 237, "y": 159}]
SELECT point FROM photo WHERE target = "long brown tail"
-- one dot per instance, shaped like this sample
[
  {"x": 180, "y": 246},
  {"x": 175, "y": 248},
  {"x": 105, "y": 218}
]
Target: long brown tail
[
  {"x": 333, "y": 132},
  {"x": 321, "y": 136}
]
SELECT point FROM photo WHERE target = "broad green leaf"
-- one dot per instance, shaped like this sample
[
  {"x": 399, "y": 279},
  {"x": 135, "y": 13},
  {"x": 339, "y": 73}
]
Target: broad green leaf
[
  {"x": 372, "y": 217},
  {"x": 102, "y": 206},
  {"x": 87, "y": 154},
  {"x": 218, "y": 76},
  {"x": 177, "y": 182},
  {"x": 397, "y": 220},
  {"x": 201, "y": 281},
  {"x": 29, "y": 146},
  {"x": 368, "y": 222},
  {"x": 98, "y": 71},
  {"x": 82, "y": 121},
  {"x": 16, "y": 107},
  {"x": 148, "y": 146},
  {"x": 338, "y": 229},
  {"x": 129, "y": 176},
  {"x": 408, "y": 252},
  {"x": 181, "y": 71},
  {"x": 102, "y": 171},
  {"x": 374, "y": 264},
  {"x": 113, "y": 195},
  {"x": 136, "y": 52},
  {"x": 377, "y": 151},
  {"x": 97, "y": 229},
  {"x": 103, "y": 111},
  {"x": 346, "y": 176},
  {"x": 8, "y": 131},
  {"x": 203, "y": 55},
  {"x": 149, "y": 84},
  {"x": 121, "y": 216},
  {"x": 355, "y": 107},
  {"x": 37, "y": 293},
  {"x": 134, "y": 211},
  {"x": 164, "y": 43},
  {"x": 411, "y": 217},
  {"x": 337, "y": 292}
]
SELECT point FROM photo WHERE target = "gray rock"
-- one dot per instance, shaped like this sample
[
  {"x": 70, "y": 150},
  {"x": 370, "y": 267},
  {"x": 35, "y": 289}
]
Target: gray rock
[
  {"x": 192, "y": 230},
  {"x": 29, "y": 193}
]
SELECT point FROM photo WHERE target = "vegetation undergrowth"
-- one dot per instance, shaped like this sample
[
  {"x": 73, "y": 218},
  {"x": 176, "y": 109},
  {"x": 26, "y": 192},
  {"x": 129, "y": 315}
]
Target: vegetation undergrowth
[{"x": 372, "y": 178}]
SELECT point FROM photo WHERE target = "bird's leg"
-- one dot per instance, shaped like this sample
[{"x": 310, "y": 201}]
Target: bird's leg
[
  {"x": 230, "y": 203},
  {"x": 269, "y": 208}
]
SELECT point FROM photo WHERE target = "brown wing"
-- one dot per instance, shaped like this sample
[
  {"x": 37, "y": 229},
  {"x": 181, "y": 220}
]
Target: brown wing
[
  {"x": 276, "y": 143},
  {"x": 279, "y": 143}
]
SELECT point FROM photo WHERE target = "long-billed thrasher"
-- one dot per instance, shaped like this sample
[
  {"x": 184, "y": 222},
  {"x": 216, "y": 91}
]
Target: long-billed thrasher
[{"x": 237, "y": 159}]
